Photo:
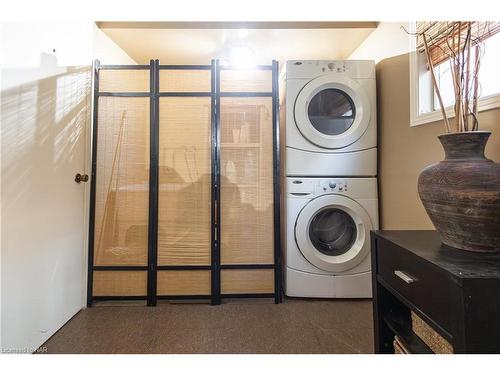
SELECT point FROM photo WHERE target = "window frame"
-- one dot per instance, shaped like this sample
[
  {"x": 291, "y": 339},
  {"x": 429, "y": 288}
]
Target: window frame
[{"x": 422, "y": 91}]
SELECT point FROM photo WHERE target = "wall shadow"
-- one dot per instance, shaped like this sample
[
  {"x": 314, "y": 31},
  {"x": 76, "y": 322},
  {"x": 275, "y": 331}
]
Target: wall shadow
[{"x": 42, "y": 122}]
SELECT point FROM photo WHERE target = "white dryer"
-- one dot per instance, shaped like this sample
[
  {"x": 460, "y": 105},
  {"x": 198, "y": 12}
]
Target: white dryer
[
  {"x": 327, "y": 223},
  {"x": 328, "y": 113}
]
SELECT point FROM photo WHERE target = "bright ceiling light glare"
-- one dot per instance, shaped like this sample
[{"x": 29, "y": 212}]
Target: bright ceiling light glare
[{"x": 242, "y": 58}]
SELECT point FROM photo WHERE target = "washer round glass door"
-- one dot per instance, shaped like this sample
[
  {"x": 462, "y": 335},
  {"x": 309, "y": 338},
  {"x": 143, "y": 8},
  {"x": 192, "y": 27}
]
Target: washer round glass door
[
  {"x": 332, "y": 111},
  {"x": 332, "y": 233}
]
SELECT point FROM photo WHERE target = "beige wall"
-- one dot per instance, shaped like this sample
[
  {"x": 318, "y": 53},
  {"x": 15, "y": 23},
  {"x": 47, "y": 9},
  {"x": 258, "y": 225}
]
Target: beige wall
[
  {"x": 388, "y": 39},
  {"x": 404, "y": 151},
  {"x": 107, "y": 51}
]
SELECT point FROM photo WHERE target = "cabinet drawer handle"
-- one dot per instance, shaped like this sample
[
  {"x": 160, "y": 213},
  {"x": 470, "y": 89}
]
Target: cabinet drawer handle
[{"x": 405, "y": 277}]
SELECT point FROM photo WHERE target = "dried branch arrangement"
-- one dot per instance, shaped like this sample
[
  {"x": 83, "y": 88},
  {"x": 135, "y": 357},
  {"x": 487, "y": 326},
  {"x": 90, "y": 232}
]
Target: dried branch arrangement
[{"x": 462, "y": 44}]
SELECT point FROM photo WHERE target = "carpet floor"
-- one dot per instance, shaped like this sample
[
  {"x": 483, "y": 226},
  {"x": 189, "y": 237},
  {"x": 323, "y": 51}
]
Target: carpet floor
[{"x": 236, "y": 326}]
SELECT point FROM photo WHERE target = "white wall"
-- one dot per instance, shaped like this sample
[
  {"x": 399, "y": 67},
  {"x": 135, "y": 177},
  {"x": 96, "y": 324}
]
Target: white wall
[
  {"x": 387, "y": 40},
  {"x": 45, "y": 133}
]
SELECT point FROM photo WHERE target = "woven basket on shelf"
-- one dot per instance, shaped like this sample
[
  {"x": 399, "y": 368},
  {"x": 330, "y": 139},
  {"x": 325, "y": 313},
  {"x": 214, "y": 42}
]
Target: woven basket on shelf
[
  {"x": 399, "y": 348},
  {"x": 434, "y": 340}
]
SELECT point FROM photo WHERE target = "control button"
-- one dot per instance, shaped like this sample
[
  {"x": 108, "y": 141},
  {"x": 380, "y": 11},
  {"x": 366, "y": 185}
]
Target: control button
[{"x": 332, "y": 184}]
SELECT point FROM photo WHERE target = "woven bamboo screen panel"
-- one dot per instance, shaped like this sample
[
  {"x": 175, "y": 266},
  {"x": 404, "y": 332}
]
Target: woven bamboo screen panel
[
  {"x": 120, "y": 283},
  {"x": 122, "y": 182},
  {"x": 185, "y": 80},
  {"x": 184, "y": 212},
  {"x": 126, "y": 80},
  {"x": 183, "y": 283},
  {"x": 247, "y": 281},
  {"x": 247, "y": 219},
  {"x": 246, "y": 80}
]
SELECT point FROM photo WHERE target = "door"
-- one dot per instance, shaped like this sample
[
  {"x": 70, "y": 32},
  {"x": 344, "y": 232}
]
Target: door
[
  {"x": 332, "y": 111},
  {"x": 45, "y": 118},
  {"x": 332, "y": 232}
]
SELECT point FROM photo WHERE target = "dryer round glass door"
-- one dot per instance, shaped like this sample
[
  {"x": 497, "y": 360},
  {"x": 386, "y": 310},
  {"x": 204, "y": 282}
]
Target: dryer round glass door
[
  {"x": 332, "y": 111},
  {"x": 332, "y": 233}
]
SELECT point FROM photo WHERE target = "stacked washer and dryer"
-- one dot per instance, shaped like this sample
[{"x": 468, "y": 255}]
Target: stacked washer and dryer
[{"x": 330, "y": 199}]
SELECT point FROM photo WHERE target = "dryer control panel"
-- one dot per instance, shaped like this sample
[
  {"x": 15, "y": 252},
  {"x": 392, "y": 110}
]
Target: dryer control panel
[{"x": 307, "y": 69}]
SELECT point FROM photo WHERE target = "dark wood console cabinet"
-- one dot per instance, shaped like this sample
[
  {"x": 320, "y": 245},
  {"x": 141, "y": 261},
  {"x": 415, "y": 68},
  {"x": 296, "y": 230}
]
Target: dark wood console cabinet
[{"x": 455, "y": 292}]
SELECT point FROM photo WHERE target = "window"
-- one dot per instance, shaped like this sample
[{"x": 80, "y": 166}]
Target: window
[{"x": 424, "y": 104}]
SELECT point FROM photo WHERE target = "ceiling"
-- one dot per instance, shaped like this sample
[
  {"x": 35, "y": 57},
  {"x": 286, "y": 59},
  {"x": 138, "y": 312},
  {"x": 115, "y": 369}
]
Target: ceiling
[{"x": 198, "y": 43}]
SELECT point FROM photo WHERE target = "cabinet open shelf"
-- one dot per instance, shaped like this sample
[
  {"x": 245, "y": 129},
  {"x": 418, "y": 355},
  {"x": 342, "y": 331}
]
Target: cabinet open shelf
[{"x": 401, "y": 327}]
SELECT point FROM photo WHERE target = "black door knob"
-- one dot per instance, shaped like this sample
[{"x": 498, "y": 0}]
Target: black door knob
[{"x": 81, "y": 178}]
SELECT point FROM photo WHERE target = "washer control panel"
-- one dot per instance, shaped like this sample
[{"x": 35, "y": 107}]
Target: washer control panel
[
  {"x": 333, "y": 185},
  {"x": 313, "y": 187}
]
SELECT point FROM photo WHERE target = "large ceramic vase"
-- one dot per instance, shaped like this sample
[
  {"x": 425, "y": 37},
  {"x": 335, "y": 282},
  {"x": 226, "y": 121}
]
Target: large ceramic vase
[{"x": 461, "y": 194}]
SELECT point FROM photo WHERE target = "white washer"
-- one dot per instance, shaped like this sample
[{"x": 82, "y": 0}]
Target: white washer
[
  {"x": 327, "y": 223},
  {"x": 328, "y": 112}
]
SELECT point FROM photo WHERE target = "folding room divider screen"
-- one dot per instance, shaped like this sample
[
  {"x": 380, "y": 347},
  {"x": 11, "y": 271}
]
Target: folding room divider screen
[{"x": 185, "y": 183}]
